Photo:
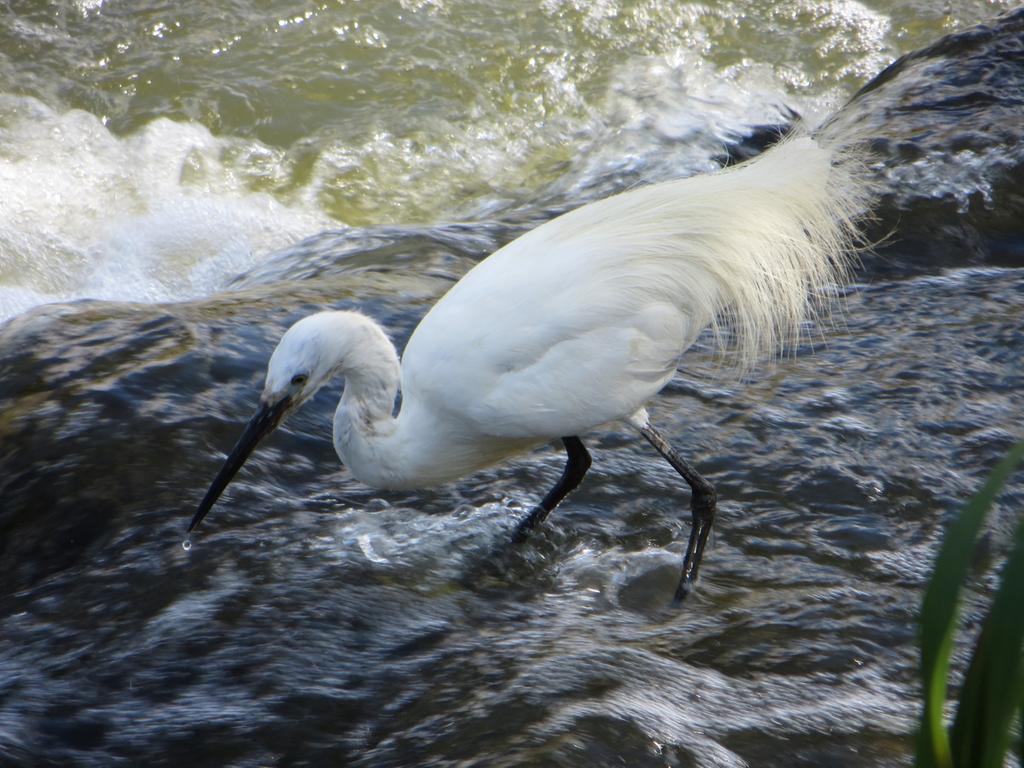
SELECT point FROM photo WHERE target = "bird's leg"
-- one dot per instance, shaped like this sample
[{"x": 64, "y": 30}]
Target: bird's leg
[
  {"x": 703, "y": 503},
  {"x": 575, "y": 468}
]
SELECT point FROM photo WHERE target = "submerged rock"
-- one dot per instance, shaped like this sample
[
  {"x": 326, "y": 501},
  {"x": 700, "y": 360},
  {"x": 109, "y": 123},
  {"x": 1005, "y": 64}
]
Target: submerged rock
[{"x": 945, "y": 126}]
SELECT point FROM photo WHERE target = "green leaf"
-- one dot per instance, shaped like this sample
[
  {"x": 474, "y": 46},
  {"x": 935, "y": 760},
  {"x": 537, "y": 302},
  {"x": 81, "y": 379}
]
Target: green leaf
[
  {"x": 940, "y": 608},
  {"x": 994, "y": 685}
]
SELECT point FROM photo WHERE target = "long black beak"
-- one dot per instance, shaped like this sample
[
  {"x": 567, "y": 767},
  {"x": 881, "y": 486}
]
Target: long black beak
[{"x": 260, "y": 425}]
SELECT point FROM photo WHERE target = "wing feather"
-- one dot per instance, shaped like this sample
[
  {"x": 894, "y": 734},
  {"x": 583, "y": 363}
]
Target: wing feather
[{"x": 583, "y": 319}]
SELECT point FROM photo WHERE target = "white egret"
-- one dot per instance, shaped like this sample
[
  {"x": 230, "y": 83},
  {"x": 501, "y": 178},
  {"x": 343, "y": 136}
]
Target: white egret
[{"x": 577, "y": 323}]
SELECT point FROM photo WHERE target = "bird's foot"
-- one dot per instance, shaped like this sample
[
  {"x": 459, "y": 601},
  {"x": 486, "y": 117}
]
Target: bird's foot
[
  {"x": 527, "y": 525},
  {"x": 704, "y": 505}
]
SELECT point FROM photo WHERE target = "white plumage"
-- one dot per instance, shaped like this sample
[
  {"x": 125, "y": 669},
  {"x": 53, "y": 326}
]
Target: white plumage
[
  {"x": 583, "y": 319},
  {"x": 579, "y": 322}
]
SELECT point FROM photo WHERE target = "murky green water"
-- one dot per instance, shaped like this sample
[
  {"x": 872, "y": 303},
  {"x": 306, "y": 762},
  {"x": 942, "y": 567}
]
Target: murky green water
[
  {"x": 152, "y": 151},
  {"x": 211, "y": 172}
]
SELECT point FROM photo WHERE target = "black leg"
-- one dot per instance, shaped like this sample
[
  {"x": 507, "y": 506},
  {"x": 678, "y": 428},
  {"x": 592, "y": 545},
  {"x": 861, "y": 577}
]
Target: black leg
[
  {"x": 575, "y": 468},
  {"x": 703, "y": 502}
]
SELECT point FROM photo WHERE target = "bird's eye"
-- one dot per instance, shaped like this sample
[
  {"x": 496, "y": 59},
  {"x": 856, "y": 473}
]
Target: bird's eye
[{"x": 299, "y": 379}]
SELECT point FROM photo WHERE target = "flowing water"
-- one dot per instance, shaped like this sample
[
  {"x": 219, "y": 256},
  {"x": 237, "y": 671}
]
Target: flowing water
[{"x": 179, "y": 182}]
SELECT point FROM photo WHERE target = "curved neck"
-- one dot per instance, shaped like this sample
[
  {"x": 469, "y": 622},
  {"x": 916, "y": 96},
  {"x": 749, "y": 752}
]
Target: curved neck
[
  {"x": 364, "y": 418},
  {"x": 369, "y": 394},
  {"x": 364, "y": 355},
  {"x": 420, "y": 447}
]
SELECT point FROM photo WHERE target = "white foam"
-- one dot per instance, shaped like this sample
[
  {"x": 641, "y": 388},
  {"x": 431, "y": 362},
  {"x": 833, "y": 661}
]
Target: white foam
[{"x": 161, "y": 215}]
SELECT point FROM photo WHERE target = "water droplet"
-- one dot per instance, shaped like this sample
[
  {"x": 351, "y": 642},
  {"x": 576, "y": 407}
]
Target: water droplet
[{"x": 186, "y": 544}]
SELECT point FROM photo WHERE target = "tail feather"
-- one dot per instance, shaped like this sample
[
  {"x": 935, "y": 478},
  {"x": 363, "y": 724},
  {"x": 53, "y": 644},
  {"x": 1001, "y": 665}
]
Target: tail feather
[
  {"x": 583, "y": 319},
  {"x": 751, "y": 251}
]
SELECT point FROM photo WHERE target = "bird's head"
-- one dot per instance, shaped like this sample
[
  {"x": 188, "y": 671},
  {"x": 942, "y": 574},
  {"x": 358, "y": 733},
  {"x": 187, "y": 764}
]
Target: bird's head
[
  {"x": 307, "y": 357},
  {"x": 309, "y": 354}
]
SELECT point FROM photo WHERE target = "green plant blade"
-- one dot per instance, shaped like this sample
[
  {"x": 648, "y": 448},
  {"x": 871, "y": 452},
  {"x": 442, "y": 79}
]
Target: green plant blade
[
  {"x": 939, "y": 612},
  {"x": 994, "y": 685}
]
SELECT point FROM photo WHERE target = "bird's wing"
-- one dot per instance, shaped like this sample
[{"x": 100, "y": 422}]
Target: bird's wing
[
  {"x": 545, "y": 348},
  {"x": 583, "y": 319}
]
